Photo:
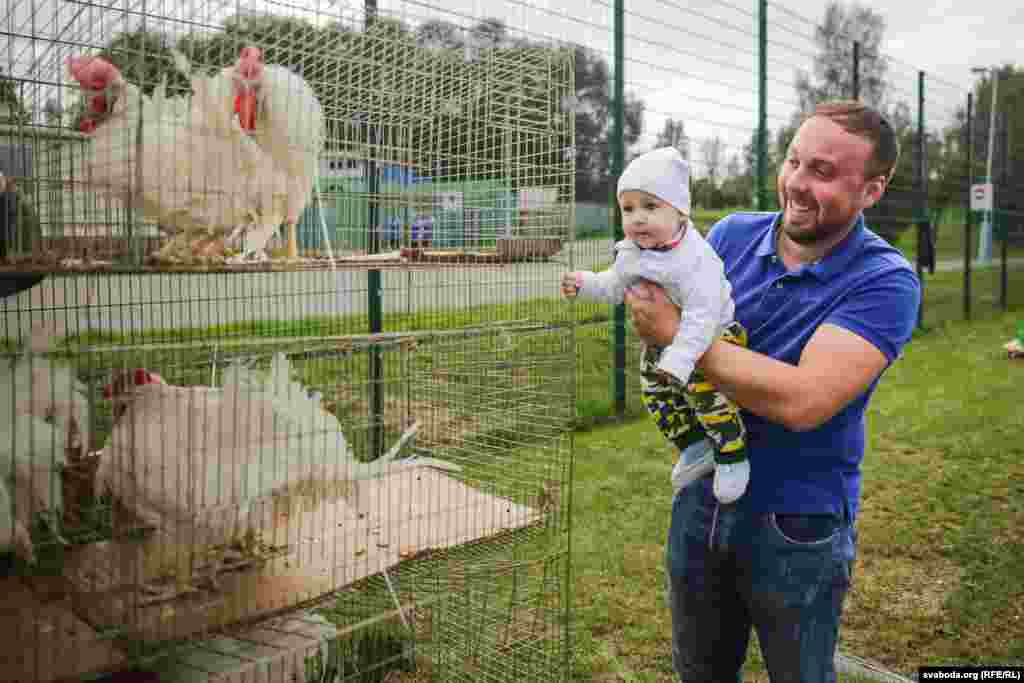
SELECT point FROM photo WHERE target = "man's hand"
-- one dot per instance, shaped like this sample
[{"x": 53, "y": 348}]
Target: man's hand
[
  {"x": 570, "y": 285},
  {"x": 655, "y": 317}
]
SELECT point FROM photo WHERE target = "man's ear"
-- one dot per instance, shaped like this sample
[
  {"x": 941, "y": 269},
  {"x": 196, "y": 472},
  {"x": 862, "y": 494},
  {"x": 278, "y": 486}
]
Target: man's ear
[{"x": 873, "y": 190}]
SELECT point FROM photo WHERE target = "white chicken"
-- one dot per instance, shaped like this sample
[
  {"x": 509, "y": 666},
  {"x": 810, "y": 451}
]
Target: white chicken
[
  {"x": 195, "y": 461},
  {"x": 287, "y": 122},
  {"x": 187, "y": 163},
  {"x": 44, "y": 412}
]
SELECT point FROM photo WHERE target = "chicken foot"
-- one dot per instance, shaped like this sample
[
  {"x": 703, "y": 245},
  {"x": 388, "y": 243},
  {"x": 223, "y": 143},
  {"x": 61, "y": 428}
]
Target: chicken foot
[
  {"x": 251, "y": 239},
  {"x": 188, "y": 248},
  {"x": 293, "y": 240}
]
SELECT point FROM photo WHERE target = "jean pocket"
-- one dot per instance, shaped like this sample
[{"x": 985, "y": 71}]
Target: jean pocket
[{"x": 805, "y": 530}]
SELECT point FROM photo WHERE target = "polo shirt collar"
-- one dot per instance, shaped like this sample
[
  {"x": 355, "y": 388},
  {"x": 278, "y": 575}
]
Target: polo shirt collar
[
  {"x": 766, "y": 246},
  {"x": 834, "y": 262}
]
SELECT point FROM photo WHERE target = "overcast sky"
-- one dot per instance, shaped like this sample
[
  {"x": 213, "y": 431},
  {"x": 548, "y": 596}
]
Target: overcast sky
[
  {"x": 691, "y": 60},
  {"x": 948, "y": 38}
]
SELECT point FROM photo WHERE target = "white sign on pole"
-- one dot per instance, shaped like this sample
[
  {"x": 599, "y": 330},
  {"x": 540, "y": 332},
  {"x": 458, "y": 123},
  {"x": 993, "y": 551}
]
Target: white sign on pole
[
  {"x": 450, "y": 201},
  {"x": 981, "y": 197}
]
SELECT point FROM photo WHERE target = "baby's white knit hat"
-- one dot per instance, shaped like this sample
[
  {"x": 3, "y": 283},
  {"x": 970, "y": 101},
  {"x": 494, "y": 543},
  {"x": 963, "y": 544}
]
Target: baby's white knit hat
[{"x": 662, "y": 172}]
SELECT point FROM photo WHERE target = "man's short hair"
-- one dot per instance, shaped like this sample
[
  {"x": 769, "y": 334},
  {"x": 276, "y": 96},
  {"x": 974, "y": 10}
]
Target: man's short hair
[{"x": 863, "y": 121}]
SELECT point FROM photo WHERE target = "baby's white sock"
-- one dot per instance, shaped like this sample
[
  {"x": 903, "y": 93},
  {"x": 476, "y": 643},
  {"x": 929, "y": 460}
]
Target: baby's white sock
[{"x": 731, "y": 480}]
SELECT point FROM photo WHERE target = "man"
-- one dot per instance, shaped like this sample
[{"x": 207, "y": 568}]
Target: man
[
  {"x": 828, "y": 305},
  {"x": 422, "y": 231}
]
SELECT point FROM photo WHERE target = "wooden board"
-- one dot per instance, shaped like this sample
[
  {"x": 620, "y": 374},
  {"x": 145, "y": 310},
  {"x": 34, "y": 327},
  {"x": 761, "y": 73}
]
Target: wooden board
[
  {"x": 43, "y": 641},
  {"x": 378, "y": 524}
]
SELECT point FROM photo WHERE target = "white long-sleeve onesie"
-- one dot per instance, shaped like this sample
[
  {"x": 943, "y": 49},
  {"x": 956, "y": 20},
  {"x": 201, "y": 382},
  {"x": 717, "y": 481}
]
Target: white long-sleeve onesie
[{"x": 691, "y": 274}]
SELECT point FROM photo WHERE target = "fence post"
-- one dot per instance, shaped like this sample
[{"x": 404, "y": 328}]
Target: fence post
[
  {"x": 374, "y": 305},
  {"x": 969, "y": 140},
  {"x": 1003, "y": 255},
  {"x": 618, "y": 157},
  {"x": 760, "y": 201},
  {"x": 1004, "y": 225},
  {"x": 921, "y": 194},
  {"x": 856, "y": 69}
]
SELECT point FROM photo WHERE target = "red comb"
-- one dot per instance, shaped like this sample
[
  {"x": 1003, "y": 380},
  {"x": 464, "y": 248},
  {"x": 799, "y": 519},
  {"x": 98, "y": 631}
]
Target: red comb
[
  {"x": 134, "y": 378},
  {"x": 94, "y": 73}
]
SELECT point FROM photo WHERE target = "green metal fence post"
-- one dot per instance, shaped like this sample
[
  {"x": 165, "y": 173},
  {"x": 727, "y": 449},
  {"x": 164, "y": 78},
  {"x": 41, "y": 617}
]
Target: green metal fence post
[
  {"x": 1004, "y": 266},
  {"x": 618, "y": 156},
  {"x": 1001, "y": 228},
  {"x": 374, "y": 303},
  {"x": 921, "y": 199},
  {"x": 760, "y": 201},
  {"x": 969, "y": 143}
]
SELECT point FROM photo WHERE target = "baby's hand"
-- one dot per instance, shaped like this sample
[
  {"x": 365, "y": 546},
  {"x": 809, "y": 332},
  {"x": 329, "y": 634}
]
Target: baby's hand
[{"x": 570, "y": 285}]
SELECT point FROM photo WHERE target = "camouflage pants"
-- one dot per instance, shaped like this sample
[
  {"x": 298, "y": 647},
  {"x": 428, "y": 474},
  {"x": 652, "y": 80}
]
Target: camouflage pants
[{"x": 699, "y": 411}]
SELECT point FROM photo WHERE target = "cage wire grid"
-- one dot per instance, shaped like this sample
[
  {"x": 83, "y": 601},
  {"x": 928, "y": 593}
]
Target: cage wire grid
[{"x": 290, "y": 397}]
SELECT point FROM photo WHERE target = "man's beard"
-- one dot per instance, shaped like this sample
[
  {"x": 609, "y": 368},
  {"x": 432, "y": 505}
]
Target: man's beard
[{"x": 806, "y": 237}]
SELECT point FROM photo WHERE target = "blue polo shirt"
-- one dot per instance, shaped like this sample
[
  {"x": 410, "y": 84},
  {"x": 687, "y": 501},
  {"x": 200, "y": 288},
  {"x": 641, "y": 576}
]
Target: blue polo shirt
[{"x": 863, "y": 285}]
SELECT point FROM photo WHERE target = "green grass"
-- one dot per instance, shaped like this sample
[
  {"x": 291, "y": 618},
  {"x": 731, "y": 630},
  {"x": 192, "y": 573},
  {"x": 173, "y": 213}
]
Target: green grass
[
  {"x": 944, "y": 294},
  {"x": 940, "y": 572},
  {"x": 950, "y": 238},
  {"x": 704, "y": 218}
]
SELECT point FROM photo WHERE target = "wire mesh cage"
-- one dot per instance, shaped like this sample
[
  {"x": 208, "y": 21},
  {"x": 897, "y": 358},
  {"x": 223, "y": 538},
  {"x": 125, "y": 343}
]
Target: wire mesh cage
[
  {"x": 290, "y": 388},
  {"x": 186, "y": 142}
]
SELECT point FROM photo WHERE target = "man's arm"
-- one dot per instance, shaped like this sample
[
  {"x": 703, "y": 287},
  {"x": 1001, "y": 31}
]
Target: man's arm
[{"x": 835, "y": 367}]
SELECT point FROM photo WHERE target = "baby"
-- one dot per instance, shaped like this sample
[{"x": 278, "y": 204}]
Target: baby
[{"x": 662, "y": 246}]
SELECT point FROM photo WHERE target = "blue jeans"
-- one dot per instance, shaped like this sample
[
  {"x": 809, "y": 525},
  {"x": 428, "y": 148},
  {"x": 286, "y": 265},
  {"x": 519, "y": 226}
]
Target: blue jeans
[{"x": 730, "y": 569}]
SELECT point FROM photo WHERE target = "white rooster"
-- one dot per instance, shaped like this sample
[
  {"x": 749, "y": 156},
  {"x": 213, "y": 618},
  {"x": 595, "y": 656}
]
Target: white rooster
[
  {"x": 187, "y": 163},
  {"x": 287, "y": 122},
  {"x": 195, "y": 462}
]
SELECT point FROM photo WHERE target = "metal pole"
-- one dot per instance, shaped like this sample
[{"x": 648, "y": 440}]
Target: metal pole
[
  {"x": 856, "y": 69},
  {"x": 985, "y": 236},
  {"x": 969, "y": 139},
  {"x": 922, "y": 196},
  {"x": 760, "y": 201},
  {"x": 618, "y": 157},
  {"x": 1004, "y": 225},
  {"x": 374, "y": 287},
  {"x": 1003, "y": 274}
]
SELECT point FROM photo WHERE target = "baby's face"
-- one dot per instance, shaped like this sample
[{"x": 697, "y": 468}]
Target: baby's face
[{"x": 647, "y": 220}]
